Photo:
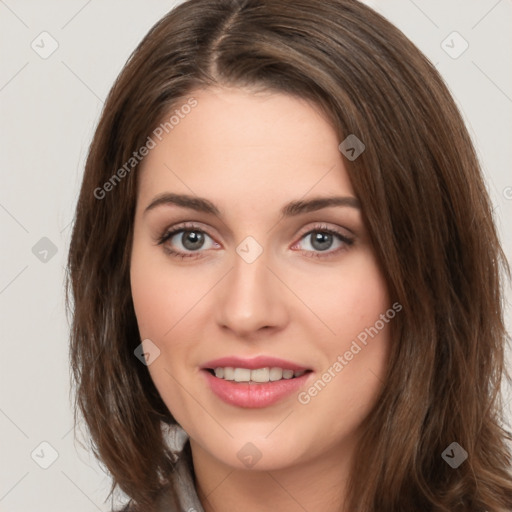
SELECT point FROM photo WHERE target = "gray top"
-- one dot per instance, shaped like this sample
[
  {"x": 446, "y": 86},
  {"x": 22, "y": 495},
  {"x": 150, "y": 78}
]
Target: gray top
[{"x": 183, "y": 481}]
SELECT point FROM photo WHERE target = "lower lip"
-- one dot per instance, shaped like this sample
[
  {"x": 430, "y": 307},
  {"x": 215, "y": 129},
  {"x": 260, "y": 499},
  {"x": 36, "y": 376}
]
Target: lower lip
[{"x": 244, "y": 394}]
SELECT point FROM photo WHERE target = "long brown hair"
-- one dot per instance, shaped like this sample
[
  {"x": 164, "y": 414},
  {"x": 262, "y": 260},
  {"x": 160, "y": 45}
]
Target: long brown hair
[{"x": 426, "y": 208}]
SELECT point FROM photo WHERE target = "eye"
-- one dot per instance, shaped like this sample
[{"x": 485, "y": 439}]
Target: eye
[
  {"x": 189, "y": 241},
  {"x": 319, "y": 242},
  {"x": 186, "y": 241}
]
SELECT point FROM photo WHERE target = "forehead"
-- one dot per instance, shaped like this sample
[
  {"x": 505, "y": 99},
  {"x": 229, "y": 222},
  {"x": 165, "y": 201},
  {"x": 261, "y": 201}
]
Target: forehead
[{"x": 237, "y": 146}]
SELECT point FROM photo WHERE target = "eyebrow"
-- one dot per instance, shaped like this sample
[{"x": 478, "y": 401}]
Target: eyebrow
[{"x": 290, "y": 209}]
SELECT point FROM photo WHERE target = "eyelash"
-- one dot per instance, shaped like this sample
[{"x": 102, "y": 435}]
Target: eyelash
[{"x": 167, "y": 235}]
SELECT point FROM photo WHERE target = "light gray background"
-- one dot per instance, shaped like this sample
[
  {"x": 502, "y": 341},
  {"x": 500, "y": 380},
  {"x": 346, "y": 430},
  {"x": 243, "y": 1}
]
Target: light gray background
[{"x": 49, "y": 108}]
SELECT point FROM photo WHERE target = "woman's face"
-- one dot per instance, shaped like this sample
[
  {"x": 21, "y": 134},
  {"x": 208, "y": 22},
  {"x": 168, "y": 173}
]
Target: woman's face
[{"x": 267, "y": 276}]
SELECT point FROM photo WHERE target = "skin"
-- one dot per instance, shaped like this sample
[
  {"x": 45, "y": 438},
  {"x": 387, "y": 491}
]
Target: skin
[{"x": 250, "y": 153}]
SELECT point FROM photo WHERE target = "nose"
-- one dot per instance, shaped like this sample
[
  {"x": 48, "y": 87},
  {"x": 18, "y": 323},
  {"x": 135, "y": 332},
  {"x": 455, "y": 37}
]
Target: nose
[{"x": 251, "y": 299}]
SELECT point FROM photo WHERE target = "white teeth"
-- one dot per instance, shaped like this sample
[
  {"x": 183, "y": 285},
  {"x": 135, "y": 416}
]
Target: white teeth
[
  {"x": 242, "y": 375},
  {"x": 260, "y": 375},
  {"x": 275, "y": 374},
  {"x": 229, "y": 373}
]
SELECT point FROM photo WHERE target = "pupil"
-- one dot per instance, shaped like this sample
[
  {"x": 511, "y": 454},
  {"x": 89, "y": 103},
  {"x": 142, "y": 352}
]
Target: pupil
[
  {"x": 192, "y": 240},
  {"x": 321, "y": 241}
]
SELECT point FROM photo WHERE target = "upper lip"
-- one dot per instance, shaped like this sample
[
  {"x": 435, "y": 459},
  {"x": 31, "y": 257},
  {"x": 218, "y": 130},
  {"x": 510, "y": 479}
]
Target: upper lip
[{"x": 253, "y": 363}]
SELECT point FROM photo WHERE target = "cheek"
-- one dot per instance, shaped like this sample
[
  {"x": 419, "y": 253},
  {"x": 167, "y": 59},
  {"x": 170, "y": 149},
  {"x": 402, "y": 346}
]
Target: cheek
[
  {"x": 349, "y": 298},
  {"x": 161, "y": 297},
  {"x": 351, "y": 304},
  {"x": 149, "y": 299}
]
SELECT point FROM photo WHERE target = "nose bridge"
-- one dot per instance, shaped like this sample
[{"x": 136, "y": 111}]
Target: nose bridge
[{"x": 251, "y": 297}]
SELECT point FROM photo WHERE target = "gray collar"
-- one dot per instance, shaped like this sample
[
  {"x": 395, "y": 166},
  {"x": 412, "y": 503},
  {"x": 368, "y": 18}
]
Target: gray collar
[{"x": 177, "y": 440}]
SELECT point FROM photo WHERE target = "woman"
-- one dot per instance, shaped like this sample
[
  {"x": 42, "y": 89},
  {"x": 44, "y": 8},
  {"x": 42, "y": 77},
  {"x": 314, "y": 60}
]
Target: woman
[{"x": 285, "y": 272}]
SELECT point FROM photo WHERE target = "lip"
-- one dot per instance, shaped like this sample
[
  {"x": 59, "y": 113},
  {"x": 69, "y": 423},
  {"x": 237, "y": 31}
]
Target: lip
[
  {"x": 255, "y": 395},
  {"x": 253, "y": 363}
]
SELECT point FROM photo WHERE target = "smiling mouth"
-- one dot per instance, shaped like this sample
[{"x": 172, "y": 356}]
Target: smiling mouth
[{"x": 255, "y": 376}]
